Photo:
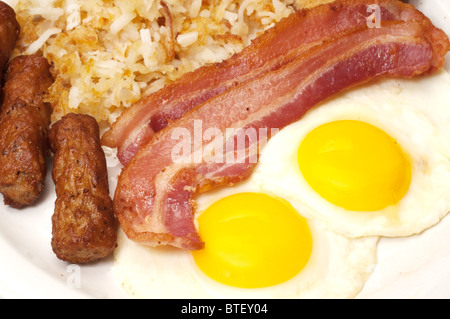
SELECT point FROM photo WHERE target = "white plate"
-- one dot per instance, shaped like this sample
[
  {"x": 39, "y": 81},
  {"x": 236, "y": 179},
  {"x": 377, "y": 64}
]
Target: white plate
[{"x": 413, "y": 267}]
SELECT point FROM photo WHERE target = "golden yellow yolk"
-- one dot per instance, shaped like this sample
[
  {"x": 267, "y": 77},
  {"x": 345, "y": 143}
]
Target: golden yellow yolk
[
  {"x": 354, "y": 165},
  {"x": 252, "y": 240}
]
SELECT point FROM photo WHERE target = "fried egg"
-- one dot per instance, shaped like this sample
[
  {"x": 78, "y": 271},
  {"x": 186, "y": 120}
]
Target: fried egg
[
  {"x": 256, "y": 246},
  {"x": 372, "y": 162}
]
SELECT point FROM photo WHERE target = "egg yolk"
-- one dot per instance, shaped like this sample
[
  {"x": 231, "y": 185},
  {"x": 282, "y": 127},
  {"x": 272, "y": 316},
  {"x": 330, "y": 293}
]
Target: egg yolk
[
  {"x": 355, "y": 165},
  {"x": 252, "y": 240}
]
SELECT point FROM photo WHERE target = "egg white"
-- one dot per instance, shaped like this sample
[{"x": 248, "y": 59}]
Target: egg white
[
  {"x": 338, "y": 267},
  {"x": 416, "y": 113}
]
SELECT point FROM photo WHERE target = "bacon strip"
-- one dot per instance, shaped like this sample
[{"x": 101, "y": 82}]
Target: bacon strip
[
  {"x": 154, "y": 196},
  {"x": 290, "y": 38}
]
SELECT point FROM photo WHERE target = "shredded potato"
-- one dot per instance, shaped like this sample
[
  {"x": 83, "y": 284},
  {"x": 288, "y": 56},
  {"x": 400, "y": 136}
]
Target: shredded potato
[{"x": 108, "y": 54}]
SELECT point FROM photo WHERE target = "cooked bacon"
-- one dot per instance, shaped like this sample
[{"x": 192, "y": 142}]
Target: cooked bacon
[
  {"x": 154, "y": 196},
  {"x": 279, "y": 45}
]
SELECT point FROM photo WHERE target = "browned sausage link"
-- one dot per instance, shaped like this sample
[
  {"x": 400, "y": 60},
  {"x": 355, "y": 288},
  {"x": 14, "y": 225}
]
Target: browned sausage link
[
  {"x": 84, "y": 226},
  {"x": 24, "y": 123},
  {"x": 9, "y": 32}
]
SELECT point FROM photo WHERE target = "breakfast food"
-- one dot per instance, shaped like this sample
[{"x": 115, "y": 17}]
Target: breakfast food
[
  {"x": 257, "y": 246},
  {"x": 154, "y": 196},
  {"x": 288, "y": 39},
  {"x": 405, "y": 106},
  {"x": 83, "y": 223},
  {"x": 284, "y": 228},
  {"x": 24, "y": 122},
  {"x": 9, "y": 32},
  {"x": 373, "y": 161},
  {"x": 337, "y": 268},
  {"x": 109, "y": 54}
]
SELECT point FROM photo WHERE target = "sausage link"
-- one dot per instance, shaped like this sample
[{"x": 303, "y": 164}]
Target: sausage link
[
  {"x": 24, "y": 124},
  {"x": 83, "y": 223}
]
